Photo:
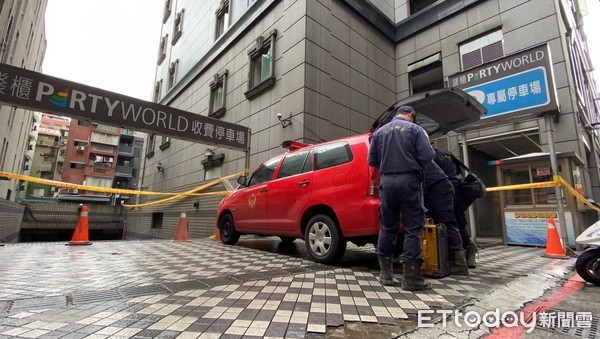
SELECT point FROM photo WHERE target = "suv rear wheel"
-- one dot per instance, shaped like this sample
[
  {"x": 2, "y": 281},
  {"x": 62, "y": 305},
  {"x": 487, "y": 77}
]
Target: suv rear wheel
[
  {"x": 229, "y": 235},
  {"x": 324, "y": 242}
]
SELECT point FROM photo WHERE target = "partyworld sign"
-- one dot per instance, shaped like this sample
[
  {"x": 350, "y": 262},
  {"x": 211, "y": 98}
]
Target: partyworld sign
[
  {"x": 39, "y": 92},
  {"x": 514, "y": 86}
]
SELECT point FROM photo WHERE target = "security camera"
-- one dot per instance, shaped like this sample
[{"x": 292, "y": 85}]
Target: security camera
[{"x": 279, "y": 116}]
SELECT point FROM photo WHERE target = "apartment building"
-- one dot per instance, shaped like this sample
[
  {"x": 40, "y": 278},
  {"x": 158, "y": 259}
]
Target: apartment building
[
  {"x": 22, "y": 44},
  {"x": 329, "y": 68},
  {"x": 49, "y": 151}
]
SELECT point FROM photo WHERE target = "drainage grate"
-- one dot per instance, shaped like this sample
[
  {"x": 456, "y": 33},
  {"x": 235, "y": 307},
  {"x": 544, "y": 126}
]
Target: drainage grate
[
  {"x": 590, "y": 331},
  {"x": 86, "y": 297},
  {"x": 249, "y": 276},
  {"x": 220, "y": 281},
  {"x": 5, "y": 306},
  {"x": 138, "y": 291},
  {"x": 36, "y": 303},
  {"x": 185, "y": 286}
]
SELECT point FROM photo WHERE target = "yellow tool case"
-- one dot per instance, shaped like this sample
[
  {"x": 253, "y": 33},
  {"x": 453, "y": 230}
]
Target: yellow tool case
[{"x": 435, "y": 250}]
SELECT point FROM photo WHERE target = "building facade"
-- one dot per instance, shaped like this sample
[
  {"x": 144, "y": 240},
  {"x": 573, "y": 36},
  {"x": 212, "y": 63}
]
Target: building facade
[
  {"x": 311, "y": 71},
  {"x": 129, "y": 162},
  {"x": 23, "y": 44},
  {"x": 48, "y": 153},
  {"x": 90, "y": 159}
]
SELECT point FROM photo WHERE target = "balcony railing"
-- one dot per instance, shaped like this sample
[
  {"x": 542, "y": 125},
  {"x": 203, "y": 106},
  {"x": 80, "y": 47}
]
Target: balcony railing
[{"x": 124, "y": 171}]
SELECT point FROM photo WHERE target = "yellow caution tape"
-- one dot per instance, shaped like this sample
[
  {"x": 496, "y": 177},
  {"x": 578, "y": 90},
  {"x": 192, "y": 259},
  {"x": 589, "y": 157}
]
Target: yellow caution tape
[
  {"x": 184, "y": 194},
  {"x": 557, "y": 180},
  {"x": 577, "y": 195},
  {"x": 113, "y": 190},
  {"x": 544, "y": 184}
]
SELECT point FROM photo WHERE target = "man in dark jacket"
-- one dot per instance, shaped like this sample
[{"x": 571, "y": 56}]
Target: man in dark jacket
[
  {"x": 400, "y": 150},
  {"x": 445, "y": 161},
  {"x": 439, "y": 201}
]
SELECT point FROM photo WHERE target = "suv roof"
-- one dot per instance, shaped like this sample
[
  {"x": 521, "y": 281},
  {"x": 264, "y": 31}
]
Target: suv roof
[{"x": 439, "y": 111}]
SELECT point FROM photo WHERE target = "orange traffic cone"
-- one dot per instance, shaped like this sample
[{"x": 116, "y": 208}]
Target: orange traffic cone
[
  {"x": 217, "y": 235},
  {"x": 182, "y": 228},
  {"x": 554, "y": 247},
  {"x": 81, "y": 234}
]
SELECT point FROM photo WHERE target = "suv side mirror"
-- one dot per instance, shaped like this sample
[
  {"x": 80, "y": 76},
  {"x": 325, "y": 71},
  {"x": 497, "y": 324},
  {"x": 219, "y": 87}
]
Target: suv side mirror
[{"x": 242, "y": 180}]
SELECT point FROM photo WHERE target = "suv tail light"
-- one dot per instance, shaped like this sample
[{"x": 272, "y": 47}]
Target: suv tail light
[{"x": 374, "y": 181}]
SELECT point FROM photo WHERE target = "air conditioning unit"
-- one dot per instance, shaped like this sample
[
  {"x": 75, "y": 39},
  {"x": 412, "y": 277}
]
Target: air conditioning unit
[{"x": 80, "y": 148}]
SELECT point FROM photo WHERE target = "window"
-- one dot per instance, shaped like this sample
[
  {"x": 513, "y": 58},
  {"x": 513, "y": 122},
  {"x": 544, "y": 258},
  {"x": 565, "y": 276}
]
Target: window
[
  {"x": 77, "y": 165},
  {"x": 98, "y": 181},
  {"x": 332, "y": 155},
  {"x": 157, "y": 220},
  {"x": 3, "y": 153},
  {"x": 262, "y": 65},
  {"x": 530, "y": 174},
  {"x": 38, "y": 192},
  {"x": 157, "y": 90},
  {"x": 264, "y": 173},
  {"x": 162, "y": 49},
  {"x": 177, "y": 27},
  {"x": 150, "y": 147},
  {"x": 173, "y": 73},
  {"x": 167, "y": 10},
  {"x": 84, "y": 123},
  {"x": 481, "y": 50},
  {"x": 102, "y": 148},
  {"x": 217, "y": 95},
  {"x": 13, "y": 113},
  {"x": 106, "y": 139},
  {"x": 294, "y": 164},
  {"x": 419, "y": 5},
  {"x": 165, "y": 143},
  {"x": 222, "y": 18},
  {"x": 427, "y": 78}
]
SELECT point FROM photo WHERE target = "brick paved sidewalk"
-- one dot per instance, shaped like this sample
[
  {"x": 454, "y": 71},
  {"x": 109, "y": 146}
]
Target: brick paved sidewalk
[{"x": 202, "y": 288}]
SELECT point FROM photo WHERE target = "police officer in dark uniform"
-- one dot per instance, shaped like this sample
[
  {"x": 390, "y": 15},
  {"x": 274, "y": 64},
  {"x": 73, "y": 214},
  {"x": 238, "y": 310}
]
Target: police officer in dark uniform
[
  {"x": 439, "y": 201},
  {"x": 445, "y": 160},
  {"x": 400, "y": 150}
]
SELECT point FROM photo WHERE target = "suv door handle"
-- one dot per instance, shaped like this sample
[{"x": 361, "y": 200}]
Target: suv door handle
[
  {"x": 264, "y": 190},
  {"x": 303, "y": 183}
]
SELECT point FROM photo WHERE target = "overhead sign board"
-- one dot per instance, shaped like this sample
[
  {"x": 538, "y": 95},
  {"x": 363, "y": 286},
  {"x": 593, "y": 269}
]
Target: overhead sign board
[
  {"x": 514, "y": 86},
  {"x": 43, "y": 93}
]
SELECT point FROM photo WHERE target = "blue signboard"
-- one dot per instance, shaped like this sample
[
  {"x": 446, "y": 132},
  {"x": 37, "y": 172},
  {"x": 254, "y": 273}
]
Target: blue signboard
[
  {"x": 513, "y": 93},
  {"x": 516, "y": 86}
]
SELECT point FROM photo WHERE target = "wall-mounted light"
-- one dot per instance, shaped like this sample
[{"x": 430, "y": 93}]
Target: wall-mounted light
[
  {"x": 284, "y": 122},
  {"x": 209, "y": 153},
  {"x": 160, "y": 167}
]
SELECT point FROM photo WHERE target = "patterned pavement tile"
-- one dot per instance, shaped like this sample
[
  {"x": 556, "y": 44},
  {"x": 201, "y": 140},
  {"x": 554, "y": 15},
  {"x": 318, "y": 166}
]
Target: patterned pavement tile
[{"x": 204, "y": 289}]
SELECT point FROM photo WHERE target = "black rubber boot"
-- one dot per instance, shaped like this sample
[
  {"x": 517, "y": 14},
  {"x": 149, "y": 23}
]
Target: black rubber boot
[
  {"x": 458, "y": 264},
  {"x": 471, "y": 251},
  {"x": 386, "y": 265},
  {"x": 398, "y": 264},
  {"x": 412, "y": 280}
]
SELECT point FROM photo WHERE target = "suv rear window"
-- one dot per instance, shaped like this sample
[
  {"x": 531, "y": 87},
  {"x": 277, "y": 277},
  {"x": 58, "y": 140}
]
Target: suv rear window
[{"x": 332, "y": 155}]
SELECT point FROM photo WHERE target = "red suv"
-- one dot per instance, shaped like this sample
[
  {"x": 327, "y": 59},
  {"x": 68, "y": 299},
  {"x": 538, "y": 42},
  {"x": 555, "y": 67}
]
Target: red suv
[{"x": 326, "y": 193}]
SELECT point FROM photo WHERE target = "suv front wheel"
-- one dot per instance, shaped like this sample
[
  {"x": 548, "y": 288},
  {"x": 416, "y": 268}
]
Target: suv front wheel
[
  {"x": 324, "y": 242},
  {"x": 229, "y": 236}
]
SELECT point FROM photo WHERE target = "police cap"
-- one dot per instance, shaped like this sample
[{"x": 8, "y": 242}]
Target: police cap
[{"x": 405, "y": 109}]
